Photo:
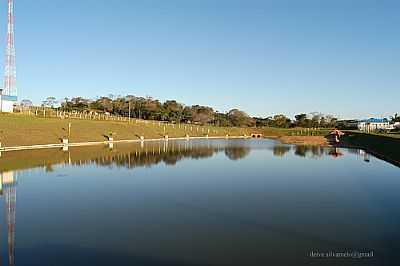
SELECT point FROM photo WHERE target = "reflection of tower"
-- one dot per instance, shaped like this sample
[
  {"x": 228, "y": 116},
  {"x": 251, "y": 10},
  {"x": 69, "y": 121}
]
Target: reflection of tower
[{"x": 8, "y": 187}]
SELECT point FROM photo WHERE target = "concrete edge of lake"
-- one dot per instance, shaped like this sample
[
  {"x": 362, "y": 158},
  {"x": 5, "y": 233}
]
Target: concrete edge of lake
[{"x": 91, "y": 143}]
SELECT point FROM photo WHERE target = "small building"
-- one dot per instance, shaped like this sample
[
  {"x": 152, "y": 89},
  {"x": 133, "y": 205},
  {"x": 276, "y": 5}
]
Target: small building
[
  {"x": 7, "y": 102},
  {"x": 373, "y": 124}
]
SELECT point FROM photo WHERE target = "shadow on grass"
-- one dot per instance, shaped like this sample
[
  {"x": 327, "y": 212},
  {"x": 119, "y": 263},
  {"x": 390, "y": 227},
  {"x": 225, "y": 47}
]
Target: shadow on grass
[{"x": 383, "y": 147}]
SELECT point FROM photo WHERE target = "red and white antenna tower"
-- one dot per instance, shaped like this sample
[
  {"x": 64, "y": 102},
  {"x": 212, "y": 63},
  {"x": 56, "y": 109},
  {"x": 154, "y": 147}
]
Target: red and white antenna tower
[{"x": 10, "y": 88}]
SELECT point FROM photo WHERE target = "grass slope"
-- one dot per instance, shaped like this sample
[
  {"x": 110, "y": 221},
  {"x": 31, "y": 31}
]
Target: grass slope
[
  {"x": 29, "y": 130},
  {"x": 385, "y": 146}
]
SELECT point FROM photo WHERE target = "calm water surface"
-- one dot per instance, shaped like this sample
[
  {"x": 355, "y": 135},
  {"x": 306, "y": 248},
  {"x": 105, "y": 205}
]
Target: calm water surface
[{"x": 217, "y": 202}]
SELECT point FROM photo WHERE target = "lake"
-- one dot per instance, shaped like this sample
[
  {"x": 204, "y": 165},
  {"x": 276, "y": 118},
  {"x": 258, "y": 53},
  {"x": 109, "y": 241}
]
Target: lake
[{"x": 199, "y": 202}]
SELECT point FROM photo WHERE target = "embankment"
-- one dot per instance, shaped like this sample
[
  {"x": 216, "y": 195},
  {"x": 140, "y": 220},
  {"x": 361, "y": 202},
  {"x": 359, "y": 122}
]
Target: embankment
[
  {"x": 21, "y": 130},
  {"x": 384, "y": 147}
]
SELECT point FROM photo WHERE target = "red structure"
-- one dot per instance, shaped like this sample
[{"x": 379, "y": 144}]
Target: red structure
[
  {"x": 10, "y": 88},
  {"x": 337, "y": 134}
]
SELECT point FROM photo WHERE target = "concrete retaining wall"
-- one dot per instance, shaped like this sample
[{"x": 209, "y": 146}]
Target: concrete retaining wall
[{"x": 80, "y": 144}]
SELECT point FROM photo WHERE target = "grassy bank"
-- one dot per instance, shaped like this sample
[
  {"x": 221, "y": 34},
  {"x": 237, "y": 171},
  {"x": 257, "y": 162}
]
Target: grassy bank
[
  {"x": 18, "y": 129},
  {"x": 294, "y": 132},
  {"x": 386, "y": 147}
]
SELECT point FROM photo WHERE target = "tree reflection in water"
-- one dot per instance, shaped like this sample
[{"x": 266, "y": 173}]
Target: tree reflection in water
[
  {"x": 308, "y": 151},
  {"x": 124, "y": 155},
  {"x": 281, "y": 150},
  {"x": 317, "y": 151},
  {"x": 236, "y": 153},
  {"x": 151, "y": 153}
]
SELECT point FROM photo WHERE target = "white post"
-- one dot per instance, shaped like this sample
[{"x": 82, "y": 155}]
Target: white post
[
  {"x": 142, "y": 144},
  {"x": 65, "y": 144}
]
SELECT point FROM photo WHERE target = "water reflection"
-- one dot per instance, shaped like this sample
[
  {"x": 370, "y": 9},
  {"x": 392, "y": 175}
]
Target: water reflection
[
  {"x": 315, "y": 152},
  {"x": 236, "y": 153},
  {"x": 131, "y": 156},
  {"x": 146, "y": 154},
  {"x": 302, "y": 151},
  {"x": 281, "y": 150},
  {"x": 142, "y": 154},
  {"x": 8, "y": 190},
  {"x": 312, "y": 151}
]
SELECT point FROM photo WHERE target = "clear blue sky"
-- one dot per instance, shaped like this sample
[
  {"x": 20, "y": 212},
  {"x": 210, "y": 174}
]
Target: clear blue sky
[{"x": 264, "y": 57}]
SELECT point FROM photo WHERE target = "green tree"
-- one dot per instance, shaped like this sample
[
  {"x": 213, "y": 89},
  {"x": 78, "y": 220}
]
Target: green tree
[
  {"x": 173, "y": 111},
  {"x": 50, "y": 102},
  {"x": 221, "y": 120},
  {"x": 301, "y": 120},
  {"x": 202, "y": 114},
  {"x": 240, "y": 119},
  {"x": 395, "y": 118},
  {"x": 281, "y": 121}
]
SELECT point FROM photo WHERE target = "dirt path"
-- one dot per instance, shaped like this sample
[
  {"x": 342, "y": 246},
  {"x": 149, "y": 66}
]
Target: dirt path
[{"x": 305, "y": 140}]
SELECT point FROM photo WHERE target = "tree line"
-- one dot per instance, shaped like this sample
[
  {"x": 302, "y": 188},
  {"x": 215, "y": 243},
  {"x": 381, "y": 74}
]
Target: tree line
[{"x": 148, "y": 108}]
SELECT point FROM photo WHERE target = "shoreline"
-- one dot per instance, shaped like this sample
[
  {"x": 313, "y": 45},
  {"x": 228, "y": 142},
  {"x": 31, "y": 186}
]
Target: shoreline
[
  {"x": 93, "y": 143},
  {"x": 296, "y": 140},
  {"x": 374, "y": 153},
  {"x": 20, "y": 132},
  {"x": 318, "y": 141},
  {"x": 289, "y": 140}
]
